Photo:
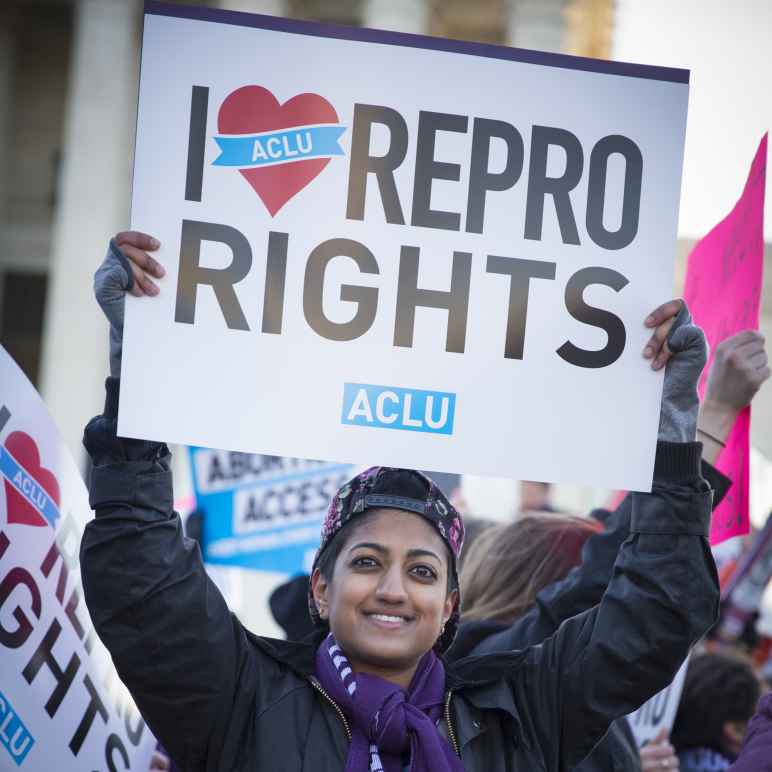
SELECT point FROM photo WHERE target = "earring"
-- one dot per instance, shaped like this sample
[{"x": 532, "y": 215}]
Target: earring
[{"x": 442, "y": 630}]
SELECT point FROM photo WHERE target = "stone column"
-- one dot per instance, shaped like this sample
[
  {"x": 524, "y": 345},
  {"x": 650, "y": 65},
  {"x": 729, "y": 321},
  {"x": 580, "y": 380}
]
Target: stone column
[
  {"x": 397, "y": 15},
  {"x": 94, "y": 191},
  {"x": 7, "y": 45},
  {"x": 589, "y": 28},
  {"x": 537, "y": 24}
]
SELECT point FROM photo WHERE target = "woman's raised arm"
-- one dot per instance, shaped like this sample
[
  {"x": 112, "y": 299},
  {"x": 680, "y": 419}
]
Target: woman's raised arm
[
  {"x": 185, "y": 658},
  {"x": 663, "y": 593}
]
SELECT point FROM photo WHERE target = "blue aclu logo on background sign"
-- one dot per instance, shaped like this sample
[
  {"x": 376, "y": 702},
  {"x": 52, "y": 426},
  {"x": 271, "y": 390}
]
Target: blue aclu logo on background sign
[
  {"x": 391, "y": 407},
  {"x": 14, "y": 736}
]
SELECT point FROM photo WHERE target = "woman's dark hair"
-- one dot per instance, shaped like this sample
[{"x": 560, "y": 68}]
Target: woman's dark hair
[
  {"x": 328, "y": 558},
  {"x": 718, "y": 688}
]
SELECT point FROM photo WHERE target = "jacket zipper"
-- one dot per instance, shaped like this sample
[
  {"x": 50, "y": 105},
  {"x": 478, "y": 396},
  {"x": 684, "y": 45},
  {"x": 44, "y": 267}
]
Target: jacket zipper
[
  {"x": 449, "y": 723},
  {"x": 334, "y": 704}
]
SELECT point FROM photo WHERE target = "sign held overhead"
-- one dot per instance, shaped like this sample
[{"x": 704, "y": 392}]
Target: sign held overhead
[{"x": 406, "y": 233}]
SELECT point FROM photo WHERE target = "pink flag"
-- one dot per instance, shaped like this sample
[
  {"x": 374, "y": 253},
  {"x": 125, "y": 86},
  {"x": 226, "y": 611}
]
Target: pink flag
[{"x": 723, "y": 291}]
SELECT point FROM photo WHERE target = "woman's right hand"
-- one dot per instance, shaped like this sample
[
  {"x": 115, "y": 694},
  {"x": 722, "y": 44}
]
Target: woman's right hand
[
  {"x": 127, "y": 267},
  {"x": 135, "y": 246}
]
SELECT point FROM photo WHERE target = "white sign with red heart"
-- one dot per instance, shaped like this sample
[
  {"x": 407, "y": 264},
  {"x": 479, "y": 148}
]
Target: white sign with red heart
[{"x": 394, "y": 249}]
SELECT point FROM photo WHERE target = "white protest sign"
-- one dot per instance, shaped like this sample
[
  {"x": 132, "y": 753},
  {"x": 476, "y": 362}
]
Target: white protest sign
[
  {"x": 61, "y": 704},
  {"x": 659, "y": 712},
  {"x": 394, "y": 249}
]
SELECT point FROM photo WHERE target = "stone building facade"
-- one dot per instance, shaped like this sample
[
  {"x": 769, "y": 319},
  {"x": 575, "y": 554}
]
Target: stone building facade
[{"x": 68, "y": 89}]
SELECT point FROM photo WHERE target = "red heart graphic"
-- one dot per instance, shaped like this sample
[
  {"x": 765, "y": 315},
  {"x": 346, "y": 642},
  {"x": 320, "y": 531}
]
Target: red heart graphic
[
  {"x": 254, "y": 109},
  {"x": 24, "y": 449}
]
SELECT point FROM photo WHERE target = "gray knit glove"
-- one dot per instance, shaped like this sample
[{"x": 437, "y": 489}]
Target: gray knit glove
[
  {"x": 112, "y": 280},
  {"x": 680, "y": 402}
]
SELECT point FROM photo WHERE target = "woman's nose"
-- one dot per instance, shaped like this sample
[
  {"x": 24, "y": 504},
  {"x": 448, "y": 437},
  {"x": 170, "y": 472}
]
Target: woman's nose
[{"x": 391, "y": 588}]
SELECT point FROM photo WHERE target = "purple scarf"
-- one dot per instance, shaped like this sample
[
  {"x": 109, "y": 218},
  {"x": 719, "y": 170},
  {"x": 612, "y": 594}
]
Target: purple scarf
[{"x": 387, "y": 722}]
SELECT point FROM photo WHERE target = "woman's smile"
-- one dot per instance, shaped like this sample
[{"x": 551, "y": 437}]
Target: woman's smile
[{"x": 388, "y": 621}]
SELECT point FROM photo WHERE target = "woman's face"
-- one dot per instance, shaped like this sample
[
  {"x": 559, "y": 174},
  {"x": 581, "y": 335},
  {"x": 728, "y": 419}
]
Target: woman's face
[{"x": 387, "y": 599}]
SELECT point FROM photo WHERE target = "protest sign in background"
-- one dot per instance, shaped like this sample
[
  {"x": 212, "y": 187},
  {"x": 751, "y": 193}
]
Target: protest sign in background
[
  {"x": 384, "y": 248},
  {"x": 266, "y": 512},
  {"x": 659, "y": 712},
  {"x": 263, "y": 512},
  {"x": 723, "y": 291},
  {"x": 61, "y": 703},
  {"x": 742, "y": 594}
]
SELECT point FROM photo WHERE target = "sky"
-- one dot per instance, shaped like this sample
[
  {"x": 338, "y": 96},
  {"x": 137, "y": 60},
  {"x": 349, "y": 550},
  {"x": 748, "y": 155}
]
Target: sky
[{"x": 726, "y": 46}]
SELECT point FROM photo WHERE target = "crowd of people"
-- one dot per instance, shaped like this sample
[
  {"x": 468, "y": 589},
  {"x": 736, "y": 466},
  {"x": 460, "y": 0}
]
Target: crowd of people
[{"x": 526, "y": 654}]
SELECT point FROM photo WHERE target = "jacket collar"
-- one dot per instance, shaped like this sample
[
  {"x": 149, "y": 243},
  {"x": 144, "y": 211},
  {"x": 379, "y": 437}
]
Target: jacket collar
[
  {"x": 470, "y": 634},
  {"x": 481, "y": 679},
  {"x": 483, "y": 682},
  {"x": 297, "y": 655}
]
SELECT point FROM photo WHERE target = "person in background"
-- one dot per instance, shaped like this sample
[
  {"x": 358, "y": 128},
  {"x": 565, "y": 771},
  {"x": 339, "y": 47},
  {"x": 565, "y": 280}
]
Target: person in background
[
  {"x": 475, "y": 527},
  {"x": 289, "y": 607},
  {"x": 536, "y": 497},
  {"x": 509, "y": 564},
  {"x": 505, "y": 569},
  {"x": 737, "y": 372},
  {"x": 756, "y": 752},
  {"x": 719, "y": 696}
]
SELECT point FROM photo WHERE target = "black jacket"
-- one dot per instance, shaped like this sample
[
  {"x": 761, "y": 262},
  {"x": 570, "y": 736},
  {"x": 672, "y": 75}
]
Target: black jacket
[
  {"x": 580, "y": 590},
  {"x": 220, "y": 698}
]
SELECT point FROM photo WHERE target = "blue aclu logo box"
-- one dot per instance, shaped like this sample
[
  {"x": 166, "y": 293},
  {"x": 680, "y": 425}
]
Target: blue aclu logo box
[
  {"x": 14, "y": 736},
  {"x": 391, "y": 407}
]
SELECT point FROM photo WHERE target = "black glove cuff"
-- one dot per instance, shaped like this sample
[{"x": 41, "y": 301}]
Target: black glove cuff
[
  {"x": 677, "y": 461},
  {"x": 112, "y": 395}
]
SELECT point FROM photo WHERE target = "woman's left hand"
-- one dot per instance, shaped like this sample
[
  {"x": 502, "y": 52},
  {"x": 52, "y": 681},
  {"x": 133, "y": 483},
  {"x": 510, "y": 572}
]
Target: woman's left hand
[
  {"x": 679, "y": 346},
  {"x": 661, "y": 319},
  {"x": 659, "y": 755}
]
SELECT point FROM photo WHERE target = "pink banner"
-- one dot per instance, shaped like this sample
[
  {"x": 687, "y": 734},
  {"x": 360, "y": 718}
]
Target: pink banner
[{"x": 723, "y": 290}]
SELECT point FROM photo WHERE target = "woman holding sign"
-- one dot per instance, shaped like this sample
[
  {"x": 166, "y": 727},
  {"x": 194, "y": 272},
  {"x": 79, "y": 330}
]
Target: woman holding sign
[{"x": 372, "y": 691}]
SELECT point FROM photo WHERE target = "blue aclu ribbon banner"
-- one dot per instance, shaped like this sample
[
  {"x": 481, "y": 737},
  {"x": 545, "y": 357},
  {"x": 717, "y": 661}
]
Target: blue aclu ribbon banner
[
  {"x": 28, "y": 487},
  {"x": 279, "y": 146}
]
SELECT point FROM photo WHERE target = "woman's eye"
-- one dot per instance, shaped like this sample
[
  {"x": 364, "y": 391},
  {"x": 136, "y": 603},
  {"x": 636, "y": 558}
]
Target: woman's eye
[
  {"x": 364, "y": 562},
  {"x": 424, "y": 572}
]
